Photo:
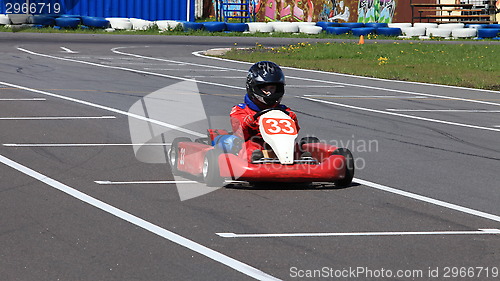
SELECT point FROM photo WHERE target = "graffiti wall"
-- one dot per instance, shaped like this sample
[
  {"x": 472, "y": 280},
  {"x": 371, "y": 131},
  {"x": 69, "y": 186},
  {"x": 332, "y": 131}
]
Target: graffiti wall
[
  {"x": 322, "y": 10},
  {"x": 376, "y": 10}
]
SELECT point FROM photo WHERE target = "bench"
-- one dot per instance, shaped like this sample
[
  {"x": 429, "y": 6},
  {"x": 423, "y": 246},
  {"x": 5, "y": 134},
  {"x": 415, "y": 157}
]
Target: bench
[{"x": 443, "y": 13}]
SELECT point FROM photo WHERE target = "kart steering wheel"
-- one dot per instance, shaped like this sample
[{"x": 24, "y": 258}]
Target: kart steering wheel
[{"x": 262, "y": 112}]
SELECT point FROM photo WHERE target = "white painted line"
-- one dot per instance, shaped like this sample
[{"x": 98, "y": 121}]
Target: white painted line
[
  {"x": 132, "y": 70},
  {"x": 279, "y": 235},
  {"x": 142, "y": 182},
  {"x": 58, "y": 118},
  {"x": 367, "y": 97},
  {"x": 225, "y": 77},
  {"x": 200, "y": 54},
  {"x": 33, "y": 99},
  {"x": 115, "y": 50},
  {"x": 315, "y": 86},
  {"x": 171, "y": 236},
  {"x": 66, "y": 50},
  {"x": 187, "y": 69},
  {"x": 404, "y": 115},
  {"x": 445, "y": 110},
  {"x": 429, "y": 200},
  {"x": 160, "y": 123},
  {"x": 81, "y": 144},
  {"x": 241, "y": 88},
  {"x": 135, "y": 63}
]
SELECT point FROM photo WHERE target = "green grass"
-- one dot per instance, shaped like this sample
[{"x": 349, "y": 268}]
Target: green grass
[{"x": 466, "y": 65}]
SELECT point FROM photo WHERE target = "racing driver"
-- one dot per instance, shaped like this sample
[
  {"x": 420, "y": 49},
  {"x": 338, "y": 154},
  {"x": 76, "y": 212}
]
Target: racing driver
[{"x": 265, "y": 87}]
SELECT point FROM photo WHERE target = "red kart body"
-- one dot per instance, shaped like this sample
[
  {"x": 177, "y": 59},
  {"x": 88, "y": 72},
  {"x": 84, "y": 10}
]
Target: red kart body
[{"x": 330, "y": 167}]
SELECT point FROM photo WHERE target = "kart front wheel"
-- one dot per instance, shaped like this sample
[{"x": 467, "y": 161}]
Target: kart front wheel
[
  {"x": 210, "y": 171},
  {"x": 305, "y": 140},
  {"x": 173, "y": 154},
  {"x": 349, "y": 166}
]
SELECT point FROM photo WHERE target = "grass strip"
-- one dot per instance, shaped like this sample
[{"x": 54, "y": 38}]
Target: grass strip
[{"x": 465, "y": 65}]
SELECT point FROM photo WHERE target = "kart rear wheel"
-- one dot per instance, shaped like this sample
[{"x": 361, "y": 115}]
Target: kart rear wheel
[
  {"x": 349, "y": 166},
  {"x": 173, "y": 154},
  {"x": 210, "y": 171}
]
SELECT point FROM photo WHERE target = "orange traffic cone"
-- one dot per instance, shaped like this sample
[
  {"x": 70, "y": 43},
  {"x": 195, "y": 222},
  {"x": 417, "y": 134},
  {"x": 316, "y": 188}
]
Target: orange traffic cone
[{"x": 361, "y": 40}]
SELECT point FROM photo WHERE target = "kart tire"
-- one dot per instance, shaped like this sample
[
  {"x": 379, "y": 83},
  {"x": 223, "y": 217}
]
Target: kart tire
[
  {"x": 376, "y": 24},
  {"x": 41, "y": 20},
  {"x": 95, "y": 22},
  {"x": 260, "y": 27},
  {"x": 305, "y": 140},
  {"x": 362, "y": 31},
  {"x": 211, "y": 172},
  {"x": 338, "y": 30},
  {"x": 68, "y": 22},
  {"x": 214, "y": 26},
  {"x": 352, "y": 24},
  {"x": 173, "y": 154},
  {"x": 4, "y": 19},
  {"x": 349, "y": 172},
  {"x": 311, "y": 30},
  {"x": 236, "y": 27},
  {"x": 487, "y": 32},
  {"x": 192, "y": 26},
  {"x": 325, "y": 24},
  {"x": 388, "y": 31}
]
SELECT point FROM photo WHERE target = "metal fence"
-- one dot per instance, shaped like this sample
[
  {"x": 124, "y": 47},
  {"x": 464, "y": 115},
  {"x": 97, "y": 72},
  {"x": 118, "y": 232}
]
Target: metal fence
[{"x": 143, "y": 9}]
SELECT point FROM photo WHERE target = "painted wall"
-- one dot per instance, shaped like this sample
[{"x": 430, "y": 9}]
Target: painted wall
[
  {"x": 328, "y": 10},
  {"x": 144, "y": 9},
  {"x": 376, "y": 10}
]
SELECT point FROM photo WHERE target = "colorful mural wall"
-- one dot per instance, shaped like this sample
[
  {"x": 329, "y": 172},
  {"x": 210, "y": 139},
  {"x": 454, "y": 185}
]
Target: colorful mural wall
[
  {"x": 376, "y": 10},
  {"x": 322, "y": 10}
]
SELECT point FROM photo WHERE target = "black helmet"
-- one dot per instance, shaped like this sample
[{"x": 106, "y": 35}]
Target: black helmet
[{"x": 261, "y": 74}]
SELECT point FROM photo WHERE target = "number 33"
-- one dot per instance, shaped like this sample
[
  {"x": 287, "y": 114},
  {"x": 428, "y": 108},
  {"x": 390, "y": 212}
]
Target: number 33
[{"x": 279, "y": 126}]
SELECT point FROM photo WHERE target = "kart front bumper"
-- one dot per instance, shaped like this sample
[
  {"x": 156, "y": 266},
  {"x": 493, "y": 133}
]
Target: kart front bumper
[{"x": 330, "y": 169}]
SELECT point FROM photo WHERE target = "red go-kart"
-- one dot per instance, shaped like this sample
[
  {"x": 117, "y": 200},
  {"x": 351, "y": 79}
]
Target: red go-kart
[{"x": 308, "y": 161}]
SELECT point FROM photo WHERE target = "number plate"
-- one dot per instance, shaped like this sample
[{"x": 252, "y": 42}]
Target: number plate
[{"x": 279, "y": 126}]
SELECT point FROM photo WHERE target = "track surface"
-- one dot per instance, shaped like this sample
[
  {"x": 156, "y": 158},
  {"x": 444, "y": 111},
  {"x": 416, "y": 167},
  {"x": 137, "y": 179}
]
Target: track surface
[{"x": 424, "y": 202}]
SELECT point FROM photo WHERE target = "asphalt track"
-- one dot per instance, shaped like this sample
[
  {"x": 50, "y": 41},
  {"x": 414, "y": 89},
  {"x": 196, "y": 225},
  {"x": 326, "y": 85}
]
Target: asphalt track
[{"x": 77, "y": 204}]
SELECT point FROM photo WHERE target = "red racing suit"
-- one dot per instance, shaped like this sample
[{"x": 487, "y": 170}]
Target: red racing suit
[{"x": 246, "y": 127}]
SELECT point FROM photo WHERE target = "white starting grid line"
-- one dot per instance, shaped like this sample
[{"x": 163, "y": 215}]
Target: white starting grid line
[
  {"x": 340, "y": 234},
  {"x": 315, "y": 86},
  {"x": 142, "y": 182},
  {"x": 67, "y": 50},
  {"x": 81, "y": 144},
  {"x": 186, "y": 69},
  {"x": 58, "y": 118},
  {"x": 445, "y": 110},
  {"x": 21, "y": 99},
  {"x": 162, "y": 232},
  {"x": 364, "y": 97},
  {"x": 204, "y": 76},
  {"x": 401, "y": 115}
]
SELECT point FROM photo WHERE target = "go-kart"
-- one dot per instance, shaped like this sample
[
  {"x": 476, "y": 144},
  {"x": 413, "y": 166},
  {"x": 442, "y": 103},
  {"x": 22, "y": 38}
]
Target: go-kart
[{"x": 310, "y": 160}]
